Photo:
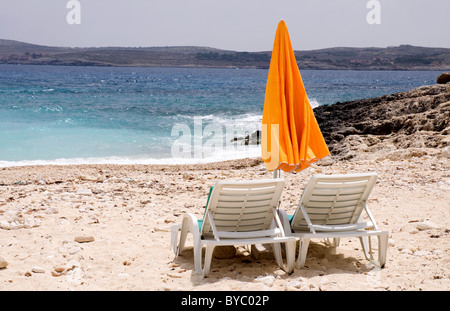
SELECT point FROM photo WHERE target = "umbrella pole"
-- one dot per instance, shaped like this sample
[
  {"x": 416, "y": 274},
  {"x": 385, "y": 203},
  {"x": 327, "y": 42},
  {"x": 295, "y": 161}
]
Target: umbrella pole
[{"x": 276, "y": 173}]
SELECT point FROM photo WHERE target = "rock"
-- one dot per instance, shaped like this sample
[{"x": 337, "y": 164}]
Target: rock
[
  {"x": 60, "y": 269},
  {"x": 294, "y": 285},
  {"x": 266, "y": 280},
  {"x": 261, "y": 251},
  {"x": 445, "y": 152},
  {"x": 3, "y": 263},
  {"x": 174, "y": 275},
  {"x": 414, "y": 231},
  {"x": 38, "y": 270},
  {"x": 422, "y": 253},
  {"x": 426, "y": 225},
  {"x": 84, "y": 239},
  {"x": 5, "y": 225},
  {"x": 85, "y": 192},
  {"x": 224, "y": 252},
  {"x": 75, "y": 250},
  {"x": 406, "y": 251},
  {"x": 253, "y": 139},
  {"x": 188, "y": 177},
  {"x": 414, "y": 120},
  {"x": 328, "y": 160},
  {"x": 443, "y": 78}
]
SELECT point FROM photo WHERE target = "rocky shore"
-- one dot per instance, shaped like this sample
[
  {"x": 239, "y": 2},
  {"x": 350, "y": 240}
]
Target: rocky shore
[{"x": 413, "y": 123}]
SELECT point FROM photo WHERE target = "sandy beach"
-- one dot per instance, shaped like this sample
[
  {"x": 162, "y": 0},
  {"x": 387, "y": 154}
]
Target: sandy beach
[{"x": 107, "y": 227}]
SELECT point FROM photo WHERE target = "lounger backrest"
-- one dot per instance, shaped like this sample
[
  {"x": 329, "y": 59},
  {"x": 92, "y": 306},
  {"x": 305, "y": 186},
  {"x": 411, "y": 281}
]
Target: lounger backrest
[
  {"x": 333, "y": 199},
  {"x": 242, "y": 206}
]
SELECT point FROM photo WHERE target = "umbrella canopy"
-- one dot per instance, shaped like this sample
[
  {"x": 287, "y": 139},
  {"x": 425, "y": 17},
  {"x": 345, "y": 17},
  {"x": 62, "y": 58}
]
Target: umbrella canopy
[{"x": 291, "y": 138}]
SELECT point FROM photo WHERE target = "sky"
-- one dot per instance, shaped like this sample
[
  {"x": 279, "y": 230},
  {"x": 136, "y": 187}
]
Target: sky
[{"x": 240, "y": 25}]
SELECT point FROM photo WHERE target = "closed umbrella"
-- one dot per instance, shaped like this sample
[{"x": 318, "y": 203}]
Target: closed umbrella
[{"x": 291, "y": 139}]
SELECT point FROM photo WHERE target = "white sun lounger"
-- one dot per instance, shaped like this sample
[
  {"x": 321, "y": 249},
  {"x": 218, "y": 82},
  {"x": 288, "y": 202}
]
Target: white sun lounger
[
  {"x": 331, "y": 208},
  {"x": 237, "y": 213}
]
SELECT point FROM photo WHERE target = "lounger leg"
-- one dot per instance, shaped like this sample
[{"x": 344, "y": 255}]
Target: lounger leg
[
  {"x": 290, "y": 256},
  {"x": 276, "y": 247},
  {"x": 208, "y": 258},
  {"x": 186, "y": 227},
  {"x": 183, "y": 235},
  {"x": 302, "y": 251},
  {"x": 189, "y": 224},
  {"x": 382, "y": 248},
  {"x": 174, "y": 238},
  {"x": 198, "y": 256},
  {"x": 335, "y": 242},
  {"x": 366, "y": 246}
]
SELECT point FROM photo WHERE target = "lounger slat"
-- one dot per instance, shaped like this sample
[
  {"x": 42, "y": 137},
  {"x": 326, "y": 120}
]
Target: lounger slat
[
  {"x": 319, "y": 204},
  {"x": 338, "y": 184},
  {"x": 245, "y": 216},
  {"x": 255, "y": 197},
  {"x": 353, "y": 190},
  {"x": 243, "y": 222},
  {"x": 325, "y": 209},
  {"x": 250, "y": 191},
  {"x": 331, "y": 198},
  {"x": 238, "y": 210},
  {"x": 262, "y": 203}
]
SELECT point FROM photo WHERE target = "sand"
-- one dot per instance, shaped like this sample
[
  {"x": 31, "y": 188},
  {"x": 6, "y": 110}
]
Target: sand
[{"x": 107, "y": 227}]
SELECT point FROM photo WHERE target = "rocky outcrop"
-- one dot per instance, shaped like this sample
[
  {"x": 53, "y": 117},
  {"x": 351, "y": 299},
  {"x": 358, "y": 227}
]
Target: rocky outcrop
[
  {"x": 443, "y": 78},
  {"x": 413, "y": 123},
  {"x": 251, "y": 139}
]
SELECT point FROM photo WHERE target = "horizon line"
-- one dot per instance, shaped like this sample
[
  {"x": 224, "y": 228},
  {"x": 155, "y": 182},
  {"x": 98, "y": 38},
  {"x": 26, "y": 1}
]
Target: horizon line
[{"x": 221, "y": 49}]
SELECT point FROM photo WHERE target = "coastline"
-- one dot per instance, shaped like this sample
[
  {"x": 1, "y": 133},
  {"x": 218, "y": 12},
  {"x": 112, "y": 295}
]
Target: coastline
[
  {"x": 107, "y": 227},
  {"x": 403, "y": 57}
]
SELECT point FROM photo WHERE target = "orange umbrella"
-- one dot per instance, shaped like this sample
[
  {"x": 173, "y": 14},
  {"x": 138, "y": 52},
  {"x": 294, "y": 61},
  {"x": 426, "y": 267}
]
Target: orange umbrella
[{"x": 291, "y": 138}]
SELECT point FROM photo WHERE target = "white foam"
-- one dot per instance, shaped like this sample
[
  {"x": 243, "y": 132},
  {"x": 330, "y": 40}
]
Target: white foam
[
  {"x": 245, "y": 120},
  {"x": 225, "y": 154},
  {"x": 314, "y": 103}
]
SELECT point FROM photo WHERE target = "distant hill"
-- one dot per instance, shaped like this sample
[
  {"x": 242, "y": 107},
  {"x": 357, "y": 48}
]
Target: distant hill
[{"x": 404, "y": 57}]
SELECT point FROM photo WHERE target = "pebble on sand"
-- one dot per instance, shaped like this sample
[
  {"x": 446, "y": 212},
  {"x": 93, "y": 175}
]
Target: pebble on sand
[
  {"x": 3, "y": 263},
  {"x": 84, "y": 239}
]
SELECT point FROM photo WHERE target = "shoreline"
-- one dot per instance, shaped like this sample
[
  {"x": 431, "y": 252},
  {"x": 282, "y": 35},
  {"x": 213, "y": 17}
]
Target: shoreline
[{"x": 30, "y": 178}]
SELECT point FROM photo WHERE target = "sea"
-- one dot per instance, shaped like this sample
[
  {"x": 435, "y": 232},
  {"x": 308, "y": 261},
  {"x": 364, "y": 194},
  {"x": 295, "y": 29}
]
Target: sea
[{"x": 139, "y": 115}]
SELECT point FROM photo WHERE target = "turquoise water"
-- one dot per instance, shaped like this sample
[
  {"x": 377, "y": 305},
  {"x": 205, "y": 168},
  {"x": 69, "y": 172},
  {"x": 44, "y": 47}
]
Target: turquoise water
[{"x": 65, "y": 115}]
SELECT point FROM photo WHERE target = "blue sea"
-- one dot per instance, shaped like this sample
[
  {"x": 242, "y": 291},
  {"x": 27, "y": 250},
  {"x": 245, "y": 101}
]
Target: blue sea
[{"x": 128, "y": 115}]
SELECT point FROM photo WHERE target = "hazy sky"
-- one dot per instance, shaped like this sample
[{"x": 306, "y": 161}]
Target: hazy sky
[{"x": 242, "y": 25}]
